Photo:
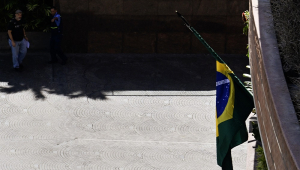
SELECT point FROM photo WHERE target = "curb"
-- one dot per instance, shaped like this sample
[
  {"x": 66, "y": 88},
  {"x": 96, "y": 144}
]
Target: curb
[{"x": 251, "y": 146}]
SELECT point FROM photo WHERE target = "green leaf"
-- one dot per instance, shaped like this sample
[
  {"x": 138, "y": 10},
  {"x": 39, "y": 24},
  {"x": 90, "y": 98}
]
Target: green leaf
[
  {"x": 261, "y": 160},
  {"x": 31, "y": 7},
  {"x": 47, "y": 12},
  {"x": 8, "y": 6}
]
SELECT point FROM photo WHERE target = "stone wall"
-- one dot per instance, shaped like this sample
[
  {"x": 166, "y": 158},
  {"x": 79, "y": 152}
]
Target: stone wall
[
  {"x": 278, "y": 124},
  {"x": 152, "y": 26}
]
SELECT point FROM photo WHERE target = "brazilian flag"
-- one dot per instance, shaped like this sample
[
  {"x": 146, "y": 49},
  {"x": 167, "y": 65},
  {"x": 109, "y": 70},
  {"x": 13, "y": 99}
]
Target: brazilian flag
[
  {"x": 234, "y": 103},
  {"x": 233, "y": 106}
]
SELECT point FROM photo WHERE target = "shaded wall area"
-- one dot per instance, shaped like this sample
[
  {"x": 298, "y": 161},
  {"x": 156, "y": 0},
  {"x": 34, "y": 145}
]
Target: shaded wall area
[{"x": 152, "y": 26}]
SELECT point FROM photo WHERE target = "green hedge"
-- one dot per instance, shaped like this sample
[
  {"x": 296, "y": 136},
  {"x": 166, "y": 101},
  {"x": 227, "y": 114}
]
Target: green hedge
[{"x": 36, "y": 13}]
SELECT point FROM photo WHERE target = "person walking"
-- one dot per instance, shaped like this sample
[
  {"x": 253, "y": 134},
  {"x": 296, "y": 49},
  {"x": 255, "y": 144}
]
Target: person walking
[
  {"x": 56, "y": 38},
  {"x": 16, "y": 40}
]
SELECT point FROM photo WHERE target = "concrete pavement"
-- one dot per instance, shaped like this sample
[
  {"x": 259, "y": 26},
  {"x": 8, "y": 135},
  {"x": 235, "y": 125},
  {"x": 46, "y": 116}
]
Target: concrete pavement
[{"x": 118, "y": 112}]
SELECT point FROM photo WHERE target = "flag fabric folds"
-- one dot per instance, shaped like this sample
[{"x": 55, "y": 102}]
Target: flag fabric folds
[{"x": 233, "y": 105}]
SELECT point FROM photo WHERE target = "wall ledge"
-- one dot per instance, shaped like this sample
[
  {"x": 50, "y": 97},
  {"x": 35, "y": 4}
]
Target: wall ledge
[{"x": 279, "y": 126}]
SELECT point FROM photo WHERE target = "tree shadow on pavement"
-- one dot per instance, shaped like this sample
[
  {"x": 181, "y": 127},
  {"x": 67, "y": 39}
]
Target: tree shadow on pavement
[{"x": 98, "y": 75}]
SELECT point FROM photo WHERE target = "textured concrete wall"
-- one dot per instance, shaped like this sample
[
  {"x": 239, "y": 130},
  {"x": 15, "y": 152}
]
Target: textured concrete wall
[
  {"x": 151, "y": 26},
  {"x": 278, "y": 124}
]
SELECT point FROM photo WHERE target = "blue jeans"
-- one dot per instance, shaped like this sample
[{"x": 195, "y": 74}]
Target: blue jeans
[{"x": 18, "y": 52}]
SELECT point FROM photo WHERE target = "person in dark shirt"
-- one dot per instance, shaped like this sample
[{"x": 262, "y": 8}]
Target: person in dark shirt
[
  {"x": 56, "y": 38},
  {"x": 16, "y": 40}
]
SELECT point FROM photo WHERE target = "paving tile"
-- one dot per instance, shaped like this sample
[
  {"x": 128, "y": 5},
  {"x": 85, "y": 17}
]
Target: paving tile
[{"x": 88, "y": 116}]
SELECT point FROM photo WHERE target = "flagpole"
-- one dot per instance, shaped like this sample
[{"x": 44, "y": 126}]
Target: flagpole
[{"x": 212, "y": 52}]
